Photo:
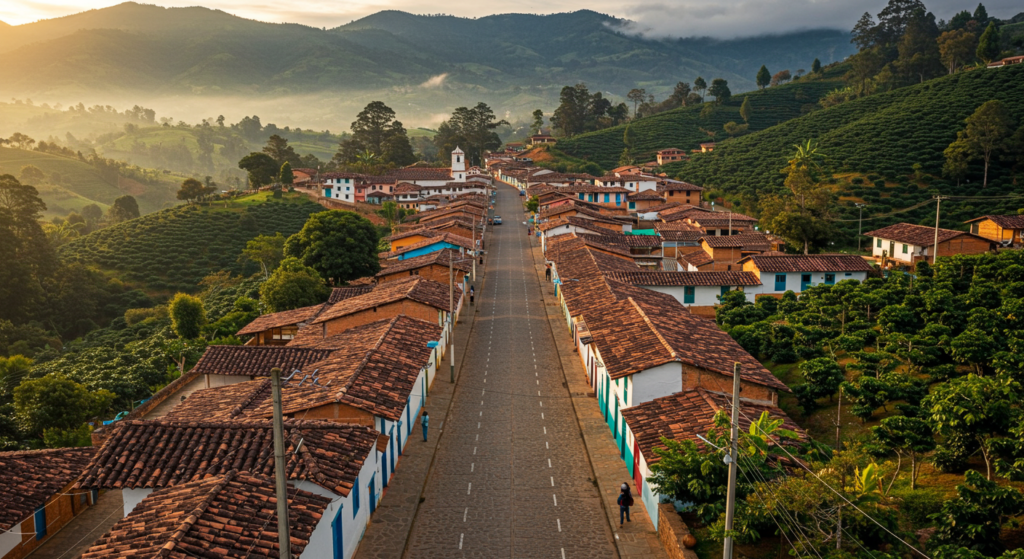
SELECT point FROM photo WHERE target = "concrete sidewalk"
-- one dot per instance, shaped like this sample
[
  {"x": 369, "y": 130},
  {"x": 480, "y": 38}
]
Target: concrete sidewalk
[
  {"x": 388, "y": 532},
  {"x": 637, "y": 539}
]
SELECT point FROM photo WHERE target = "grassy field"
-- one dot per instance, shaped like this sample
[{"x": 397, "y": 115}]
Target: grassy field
[
  {"x": 80, "y": 184},
  {"x": 172, "y": 250}
]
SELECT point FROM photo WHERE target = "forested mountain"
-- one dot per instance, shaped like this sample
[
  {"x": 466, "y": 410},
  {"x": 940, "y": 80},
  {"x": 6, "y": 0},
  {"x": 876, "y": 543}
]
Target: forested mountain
[{"x": 132, "y": 47}]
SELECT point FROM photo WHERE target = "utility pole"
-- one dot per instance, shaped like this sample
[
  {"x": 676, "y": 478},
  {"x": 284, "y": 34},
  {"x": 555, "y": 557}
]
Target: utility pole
[
  {"x": 451, "y": 316},
  {"x": 283, "y": 538},
  {"x": 730, "y": 501},
  {"x": 938, "y": 200},
  {"x": 474, "y": 247}
]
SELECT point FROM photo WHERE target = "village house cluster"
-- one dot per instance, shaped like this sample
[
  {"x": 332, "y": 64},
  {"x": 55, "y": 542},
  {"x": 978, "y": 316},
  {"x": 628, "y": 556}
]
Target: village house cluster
[{"x": 198, "y": 456}]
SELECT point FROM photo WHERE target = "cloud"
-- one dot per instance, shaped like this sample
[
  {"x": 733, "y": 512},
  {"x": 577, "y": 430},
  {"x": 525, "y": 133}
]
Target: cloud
[
  {"x": 726, "y": 19},
  {"x": 435, "y": 82}
]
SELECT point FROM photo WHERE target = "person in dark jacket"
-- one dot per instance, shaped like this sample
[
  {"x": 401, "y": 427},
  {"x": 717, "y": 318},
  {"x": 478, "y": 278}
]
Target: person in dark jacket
[
  {"x": 625, "y": 501},
  {"x": 425, "y": 421}
]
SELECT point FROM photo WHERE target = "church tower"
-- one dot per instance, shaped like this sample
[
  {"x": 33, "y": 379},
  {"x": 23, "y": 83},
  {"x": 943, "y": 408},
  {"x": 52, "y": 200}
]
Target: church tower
[{"x": 458, "y": 165}]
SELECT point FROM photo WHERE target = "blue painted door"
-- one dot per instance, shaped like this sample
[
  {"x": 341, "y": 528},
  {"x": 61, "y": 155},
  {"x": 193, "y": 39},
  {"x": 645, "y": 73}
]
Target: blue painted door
[
  {"x": 780, "y": 282},
  {"x": 40, "y": 522},
  {"x": 373, "y": 495},
  {"x": 392, "y": 451},
  {"x": 805, "y": 281}
]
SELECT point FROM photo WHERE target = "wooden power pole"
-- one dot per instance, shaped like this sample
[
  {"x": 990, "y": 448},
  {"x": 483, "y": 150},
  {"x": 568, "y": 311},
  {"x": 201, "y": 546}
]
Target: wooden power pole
[{"x": 283, "y": 537}]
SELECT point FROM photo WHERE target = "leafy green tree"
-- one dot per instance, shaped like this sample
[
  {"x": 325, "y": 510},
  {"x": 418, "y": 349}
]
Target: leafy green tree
[
  {"x": 279, "y": 150},
  {"x": 538, "y": 122},
  {"x": 918, "y": 50},
  {"x": 764, "y": 77},
  {"x": 472, "y": 129},
  {"x": 12, "y": 370},
  {"x": 906, "y": 436},
  {"x": 31, "y": 173},
  {"x": 265, "y": 250},
  {"x": 973, "y": 520},
  {"x": 988, "y": 44},
  {"x": 987, "y": 131},
  {"x": 822, "y": 377},
  {"x": 286, "y": 177},
  {"x": 957, "y": 158},
  {"x": 56, "y": 402},
  {"x": 975, "y": 408},
  {"x": 868, "y": 394},
  {"x": 865, "y": 32},
  {"x": 376, "y": 130},
  {"x": 339, "y": 245},
  {"x": 734, "y": 129},
  {"x": 292, "y": 286},
  {"x": 975, "y": 348},
  {"x": 124, "y": 208},
  {"x": 956, "y": 48},
  {"x": 262, "y": 169},
  {"x": 533, "y": 204},
  {"x": 187, "y": 316},
  {"x": 816, "y": 66},
  {"x": 628, "y": 139},
  {"x": 579, "y": 111},
  {"x": 392, "y": 214},
  {"x": 192, "y": 190},
  {"x": 745, "y": 109},
  {"x": 700, "y": 86},
  {"x": 720, "y": 90},
  {"x": 802, "y": 218},
  {"x": 93, "y": 214},
  {"x": 637, "y": 96}
]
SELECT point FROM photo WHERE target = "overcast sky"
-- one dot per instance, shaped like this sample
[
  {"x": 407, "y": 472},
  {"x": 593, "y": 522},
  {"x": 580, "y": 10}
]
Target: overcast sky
[{"x": 681, "y": 18}]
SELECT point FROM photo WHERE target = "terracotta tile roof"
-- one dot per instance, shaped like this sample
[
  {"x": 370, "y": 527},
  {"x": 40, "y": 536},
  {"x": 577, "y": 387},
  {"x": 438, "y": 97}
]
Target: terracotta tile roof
[
  {"x": 342, "y": 293},
  {"x": 1004, "y": 221},
  {"x": 279, "y": 319},
  {"x": 440, "y": 257},
  {"x": 661, "y": 207},
  {"x": 608, "y": 263},
  {"x": 645, "y": 195},
  {"x": 421, "y": 174},
  {"x": 605, "y": 242},
  {"x": 682, "y": 212},
  {"x": 642, "y": 241},
  {"x": 746, "y": 241},
  {"x": 687, "y": 414},
  {"x": 552, "y": 224},
  {"x": 254, "y": 360},
  {"x": 666, "y": 185},
  {"x": 358, "y": 338},
  {"x": 155, "y": 454},
  {"x": 406, "y": 188},
  {"x": 666, "y": 279},
  {"x": 639, "y": 333},
  {"x": 233, "y": 515},
  {"x": 696, "y": 258},
  {"x": 28, "y": 478},
  {"x": 450, "y": 238},
  {"x": 328, "y": 176},
  {"x": 809, "y": 263},
  {"x": 455, "y": 221},
  {"x": 417, "y": 288},
  {"x": 423, "y": 232},
  {"x": 914, "y": 234}
]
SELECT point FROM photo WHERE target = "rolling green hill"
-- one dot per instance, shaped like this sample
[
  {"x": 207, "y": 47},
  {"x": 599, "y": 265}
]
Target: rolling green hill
[
  {"x": 172, "y": 250},
  {"x": 681, "y": 128},
  {"x": 198, "y": 51},
  {"x": 872, "y": 144},
  {"x": 71, "y": 183}
]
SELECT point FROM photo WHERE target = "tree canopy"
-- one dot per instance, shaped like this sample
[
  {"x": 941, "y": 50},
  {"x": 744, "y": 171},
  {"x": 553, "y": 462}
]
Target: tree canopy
[
  {"x": 471, "y": 129},
  {"x": 292, "y": 286},
  {"x": 376, "y": 131},
  {"x": 340, "y": 245}
]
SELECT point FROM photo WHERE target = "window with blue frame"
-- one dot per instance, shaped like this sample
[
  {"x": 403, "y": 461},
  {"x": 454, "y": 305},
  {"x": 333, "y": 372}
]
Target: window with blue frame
[
  {"x": 355, "y": 499},
  {"x": 904, "y": 249},
  {"x": 40, "y": 522},
  {"x": 688, "y": 294},
  {"x": 581, "y": 195},
  {"x": 878, "y": 243},
  {"x": 618, "y": 199},
  {"x": 780, "y": 282},
  {"x": 337, "y": 529},
  {"x": 830, "y": 279},
  {"x": 607, "y": 197},
  {"x": 632, "y": 205}
]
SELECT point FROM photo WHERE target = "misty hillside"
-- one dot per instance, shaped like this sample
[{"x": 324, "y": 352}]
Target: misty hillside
[{"x": 138, "y": 48}]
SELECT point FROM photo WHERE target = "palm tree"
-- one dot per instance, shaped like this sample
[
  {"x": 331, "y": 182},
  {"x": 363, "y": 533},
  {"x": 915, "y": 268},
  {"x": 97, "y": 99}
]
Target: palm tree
[
  {"x": 392, "y": 214},
  {"x": 808, "y": 156},
  {"x": 63, "y": 233}
]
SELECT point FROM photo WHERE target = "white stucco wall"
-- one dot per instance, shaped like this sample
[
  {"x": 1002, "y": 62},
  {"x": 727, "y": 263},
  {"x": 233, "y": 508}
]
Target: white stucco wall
[
  {"x": 225, "y": 380},
  {"x": 10, "y": 539},
  {"x": 703, "y": 295},
  {"x": 793, "y": 281},
  {"x": 132, "y": 497},
  {"x": 655, "y": 382},
  {"x": 912, "y": 250}
]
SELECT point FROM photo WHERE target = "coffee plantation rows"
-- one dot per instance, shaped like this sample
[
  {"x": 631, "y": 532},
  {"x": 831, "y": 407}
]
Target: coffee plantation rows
[
  {"x": 681, "y": 128},
  {"x": 872, "y": 144},
  {"x": 172, "y": 250}
]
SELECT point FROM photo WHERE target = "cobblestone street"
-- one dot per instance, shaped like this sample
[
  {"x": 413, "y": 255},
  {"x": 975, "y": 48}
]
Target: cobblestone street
[{"x": 511, "y": 477}]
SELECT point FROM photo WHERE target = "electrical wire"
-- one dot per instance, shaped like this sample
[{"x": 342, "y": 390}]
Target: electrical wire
[{"x": 838, "y": 494}]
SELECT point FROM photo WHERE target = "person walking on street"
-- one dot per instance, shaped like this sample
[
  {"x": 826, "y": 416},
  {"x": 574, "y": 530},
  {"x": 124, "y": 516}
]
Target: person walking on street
[
  {"x": 547, "y": 272},
  {"x": 472, "y": 294},
  {"x": 425, "y": 421},
  {"x": 625, "y": 501}
]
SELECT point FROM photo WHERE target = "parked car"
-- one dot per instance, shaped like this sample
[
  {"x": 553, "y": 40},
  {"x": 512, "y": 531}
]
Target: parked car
[
  {"x": 522, "y": 193},
  {"x": 497, "y": 220}
]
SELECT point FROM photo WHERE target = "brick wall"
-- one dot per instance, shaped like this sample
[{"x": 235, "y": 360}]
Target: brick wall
[
  {"x": 60, "y": 510},
  {"x": 407, "y": 307},
  {"x": 694, "y": 377},
  {"x": 671, "y": 531},
  {"x": 963, "y": 245}
]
